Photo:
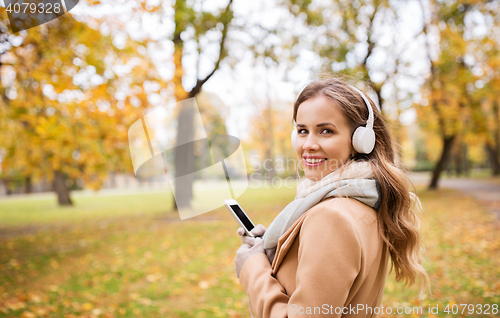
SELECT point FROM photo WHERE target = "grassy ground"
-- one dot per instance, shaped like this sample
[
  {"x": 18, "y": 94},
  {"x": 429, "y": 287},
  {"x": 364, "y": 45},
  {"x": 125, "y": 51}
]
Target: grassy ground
[
  {"x": 127, "y": 256},
  {"x": 42, "y": 209}
]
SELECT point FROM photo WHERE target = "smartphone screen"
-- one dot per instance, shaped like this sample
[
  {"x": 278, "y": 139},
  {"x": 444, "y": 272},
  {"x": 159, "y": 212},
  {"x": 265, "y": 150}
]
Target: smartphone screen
[{"x": 242, "y": 216}]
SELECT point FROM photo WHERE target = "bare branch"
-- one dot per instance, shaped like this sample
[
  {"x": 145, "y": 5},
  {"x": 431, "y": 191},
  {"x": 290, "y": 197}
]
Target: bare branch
[{"x": 199, "y": 83}]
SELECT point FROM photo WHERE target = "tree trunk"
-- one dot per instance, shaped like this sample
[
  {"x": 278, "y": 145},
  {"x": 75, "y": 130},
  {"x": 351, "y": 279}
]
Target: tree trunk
[
  {"x": 445, "y": 153},
  {"x": 494, "y": 152},
  {"x": 458, "y": 160},
  {"x": 184, "y": 156},
  {"x": 466, "y": 161},
  {"x": 180, "y": 95},
  {"x": 28, "y": 188},
  {"x": 61, "y": 188},
  {"x": 493, "y": 156}
]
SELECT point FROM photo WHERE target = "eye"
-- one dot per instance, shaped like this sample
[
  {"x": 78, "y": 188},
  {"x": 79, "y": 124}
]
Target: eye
[
  {"x": 302, "y": 131},
  {"x": 328, "y": 131}
]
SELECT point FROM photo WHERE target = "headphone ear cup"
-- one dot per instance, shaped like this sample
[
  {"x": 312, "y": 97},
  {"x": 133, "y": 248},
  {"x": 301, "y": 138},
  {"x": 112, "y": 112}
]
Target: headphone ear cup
[
  {"x": 363, "y": 140},
  {"x": 294, "y": 139}
]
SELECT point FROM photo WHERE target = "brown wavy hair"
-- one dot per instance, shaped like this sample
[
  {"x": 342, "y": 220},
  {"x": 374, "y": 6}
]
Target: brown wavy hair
[{"x": 400, "y": 209}]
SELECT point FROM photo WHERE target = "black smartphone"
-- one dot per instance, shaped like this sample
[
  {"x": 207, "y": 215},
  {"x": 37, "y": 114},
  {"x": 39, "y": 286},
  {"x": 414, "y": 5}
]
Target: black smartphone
[{"x": 240, "y": 216}]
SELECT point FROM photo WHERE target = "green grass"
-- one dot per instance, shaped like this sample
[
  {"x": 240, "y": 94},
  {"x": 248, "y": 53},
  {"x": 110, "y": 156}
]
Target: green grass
[
  {"x": 128, "y": 256},
  {"x": 43, "y": 209}
]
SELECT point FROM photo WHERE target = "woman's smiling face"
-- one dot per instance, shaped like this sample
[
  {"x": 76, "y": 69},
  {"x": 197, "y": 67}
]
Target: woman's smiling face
[{"x": 323, "y": 137}]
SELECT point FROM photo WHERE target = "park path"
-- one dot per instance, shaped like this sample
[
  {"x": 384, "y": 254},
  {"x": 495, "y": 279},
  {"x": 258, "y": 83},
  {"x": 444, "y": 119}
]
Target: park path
[{"x": 486, "y": 191}]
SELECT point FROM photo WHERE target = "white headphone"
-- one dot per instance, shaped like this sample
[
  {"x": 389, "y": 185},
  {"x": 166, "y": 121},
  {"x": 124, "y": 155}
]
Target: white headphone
[{"x": 363, "y": 139}]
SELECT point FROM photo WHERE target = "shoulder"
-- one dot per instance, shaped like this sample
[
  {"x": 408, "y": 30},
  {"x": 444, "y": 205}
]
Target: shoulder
[
  {"x": 348, "y": 217},
  {"x": 331, "y": 214},
  {"x": 348, "y": 209}
]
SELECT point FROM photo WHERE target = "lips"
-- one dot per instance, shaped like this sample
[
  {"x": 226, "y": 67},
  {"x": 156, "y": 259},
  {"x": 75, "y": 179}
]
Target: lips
[{"x": 313, "y": 161}]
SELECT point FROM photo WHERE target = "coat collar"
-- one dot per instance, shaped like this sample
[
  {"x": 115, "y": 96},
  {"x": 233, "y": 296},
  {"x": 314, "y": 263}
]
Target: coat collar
[{"x": 286, "y": 240}]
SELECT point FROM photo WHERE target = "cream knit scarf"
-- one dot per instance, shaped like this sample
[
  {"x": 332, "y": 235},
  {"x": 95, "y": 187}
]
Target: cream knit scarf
[{"x": 357, "y": 182}]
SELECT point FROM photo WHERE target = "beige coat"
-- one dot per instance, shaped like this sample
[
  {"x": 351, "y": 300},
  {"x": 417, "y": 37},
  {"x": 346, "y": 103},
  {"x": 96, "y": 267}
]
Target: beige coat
[{"x": 332, "y": 259}]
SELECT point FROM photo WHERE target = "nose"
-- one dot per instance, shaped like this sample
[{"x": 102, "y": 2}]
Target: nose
[{"x": 310, "y": 143}]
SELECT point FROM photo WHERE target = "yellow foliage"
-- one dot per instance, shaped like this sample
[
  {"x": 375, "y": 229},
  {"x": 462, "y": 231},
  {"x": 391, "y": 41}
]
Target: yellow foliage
[
  {"x": 460, "y": 91},
  {"x": 57, "y": 122}
]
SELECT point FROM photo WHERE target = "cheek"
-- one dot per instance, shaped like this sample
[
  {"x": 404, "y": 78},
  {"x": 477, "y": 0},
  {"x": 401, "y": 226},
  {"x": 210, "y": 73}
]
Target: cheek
[{"x": 339, "y": 147}]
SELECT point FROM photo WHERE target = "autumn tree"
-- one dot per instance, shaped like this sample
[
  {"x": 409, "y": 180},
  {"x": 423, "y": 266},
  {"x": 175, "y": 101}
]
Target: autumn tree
[
  {"x": 198, "y": 35},
  {"x": 69, "y": 97},
  {"x": 451, "y": 96},
  {"x": 485, "y": 53}
]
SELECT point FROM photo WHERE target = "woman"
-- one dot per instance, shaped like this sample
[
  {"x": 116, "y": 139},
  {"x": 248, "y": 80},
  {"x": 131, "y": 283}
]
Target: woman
[{"x": 327, "y": 252}]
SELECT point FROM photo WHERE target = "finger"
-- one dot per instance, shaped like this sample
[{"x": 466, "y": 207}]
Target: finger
[
  {"x": 259, "y": 245},
  {"x": 258, "y": 241},
  {"x": 248, "y": 240},
  {"x": 259, "y": 230},
  {"x": 240, "y": 231},
  {"x": 243, "y": 247}
]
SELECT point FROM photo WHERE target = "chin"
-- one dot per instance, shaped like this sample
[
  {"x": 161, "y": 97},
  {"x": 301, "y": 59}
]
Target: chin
[
  {"x": 314, "y": 177},
  {"x": 318, "y": 175}
]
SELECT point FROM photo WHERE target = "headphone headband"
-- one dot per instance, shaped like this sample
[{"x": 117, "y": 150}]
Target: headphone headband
[{"x": 369, "y": 122}]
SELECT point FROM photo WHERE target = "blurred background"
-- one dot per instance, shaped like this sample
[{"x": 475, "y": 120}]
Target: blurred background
[{"x": 81, "y": 236}]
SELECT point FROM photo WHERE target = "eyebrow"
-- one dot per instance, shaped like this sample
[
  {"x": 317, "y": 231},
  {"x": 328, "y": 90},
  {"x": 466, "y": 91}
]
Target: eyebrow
[{"x": 318, "y": 125}]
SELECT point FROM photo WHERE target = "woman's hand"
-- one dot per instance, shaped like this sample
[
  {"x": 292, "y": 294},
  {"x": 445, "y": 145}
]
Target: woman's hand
[
  {"x": 245, "y": 252},
  {"x": 250, "y": 247},
  {"x": 258, "y": 230}
]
